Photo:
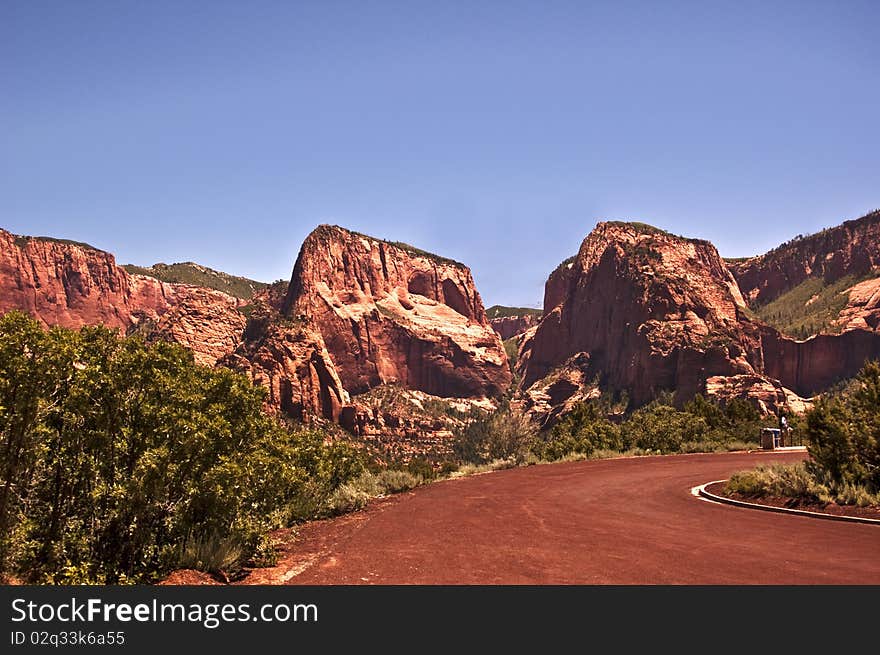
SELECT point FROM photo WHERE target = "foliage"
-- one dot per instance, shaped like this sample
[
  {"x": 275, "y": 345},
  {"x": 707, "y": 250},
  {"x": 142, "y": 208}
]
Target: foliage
[
  {"x": 406, "y": 247},
  {"x": 644, "y": 228},
  {"x": 191, "y": 273},
  {"x": 843, "y": 433},
  {"x": 810, "y": 307},
  {"x": 584, "y": 429},
  {"x": 22, "y": 241},
  {"x": 505, "y": 433},
  {"x": 354, "y": 494},
  {"x": 511, "y": 349},
  {"x": 799, "y": 484},
  {"x": 662, "y": 428},
  {"x": 120, "y": 458},
  {"x": 500, "y": 311}
]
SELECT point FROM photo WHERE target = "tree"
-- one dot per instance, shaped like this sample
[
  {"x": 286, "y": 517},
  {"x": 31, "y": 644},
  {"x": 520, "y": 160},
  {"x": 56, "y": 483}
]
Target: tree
[{"x": 118, "y": 456}]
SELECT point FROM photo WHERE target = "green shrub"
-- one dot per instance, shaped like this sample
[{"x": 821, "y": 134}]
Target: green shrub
[
  {"x": 799, "y": 483},
  {"x": 843, "y": 433},
  {"x": 502, "y": 434},
  {"x": 120, "y": 458},
  {"x": 393, "y": 481},
  {"x": 421, "y": 468},
  {"x": 662, "y": 428},
  {"x": 787, "y": 480},
  {"x": 584, "y": 429},
  {"x": 210, "y": 553}
]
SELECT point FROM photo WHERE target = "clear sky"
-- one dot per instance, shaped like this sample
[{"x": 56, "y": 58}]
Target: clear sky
[{"x": 495, "y": 133}]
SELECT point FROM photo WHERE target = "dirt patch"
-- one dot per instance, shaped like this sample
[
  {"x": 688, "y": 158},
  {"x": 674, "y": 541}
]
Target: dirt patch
[
  {"x": 313, "y": 543},
  {"x": 190, "y": 577},
  {"x": 798, "y": 503}
]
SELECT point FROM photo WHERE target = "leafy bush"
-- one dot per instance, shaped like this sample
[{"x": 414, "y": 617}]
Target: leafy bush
[
  {"x": 843, "y": 440},
  {"x": 117, "y": 458},
  {"x": 502, "y": 434},
  {"x": 356, "y": 493},
  {"x": 584, "y": 430},
  {"x": 800, "y": 483},
  {"x": 662, "y": 428},
  {"x": 843, "y": 433},
  {"x": 787, "y": 480}
]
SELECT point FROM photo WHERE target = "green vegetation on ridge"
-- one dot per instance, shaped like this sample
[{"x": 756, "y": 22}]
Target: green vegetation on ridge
[
  {"x": 22, "y": 241},
  {"x": 412, "y": 250},
  {"x": 502, "y": 311},
  {"x": 191, "y": 273},
  {"x": 811, "y": 307}
]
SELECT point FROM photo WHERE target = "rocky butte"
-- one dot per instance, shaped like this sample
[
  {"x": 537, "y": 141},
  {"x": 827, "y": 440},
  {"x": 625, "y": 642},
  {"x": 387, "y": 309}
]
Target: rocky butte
[
  {"x": 72, "y": 284},
  {"x": 360, "y": 314},
  {"x": 394, "y": 344},
  {"x": 641, "y": 311}
]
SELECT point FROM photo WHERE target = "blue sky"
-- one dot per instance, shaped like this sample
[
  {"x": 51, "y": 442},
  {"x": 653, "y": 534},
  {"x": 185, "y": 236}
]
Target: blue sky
[{"x": 494, "y": 133}]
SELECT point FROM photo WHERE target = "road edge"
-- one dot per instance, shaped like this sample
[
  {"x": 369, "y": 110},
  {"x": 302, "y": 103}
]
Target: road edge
[{"x": 700, "y": 492}]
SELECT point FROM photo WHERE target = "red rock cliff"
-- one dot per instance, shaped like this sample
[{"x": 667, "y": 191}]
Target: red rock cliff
[
  {"x": 71, "y": 284},
  {"x": 388, "y": 313},
  {"x": 643, "y": 311},
  {"x": 850, "y": 248},
  {"x": 511, "y": 326}
]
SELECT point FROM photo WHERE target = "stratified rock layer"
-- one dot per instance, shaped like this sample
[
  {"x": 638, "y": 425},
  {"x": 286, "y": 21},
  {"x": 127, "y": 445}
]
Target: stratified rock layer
[
  {"x": 512, "y": 326},
  {"x": 647, "y": 312},
  {"x": 390, "y": 314},
  {"x": 71, "y": 285},
  {"x": 852, "y": 248}
]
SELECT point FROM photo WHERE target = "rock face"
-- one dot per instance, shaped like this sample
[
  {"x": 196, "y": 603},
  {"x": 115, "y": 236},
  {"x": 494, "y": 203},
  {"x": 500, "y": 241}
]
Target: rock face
[
  {"x": 641, "y": 311},
  {"x": 205, "y": 321},
  {"x": 358, "y": 314},
  {"x": 402, "y": 423},
  {"x": 68, "y": 284},
  {"x": 390, "y": 314},
  {"x": 767, "y": 394},
  {"x": 852, "y": 248},
  {"x": 71, "y": 285},
  {"x": 512, "y": 326},
  {"x": 811, "y": 366},
  {"x": 862, "y": 311}
]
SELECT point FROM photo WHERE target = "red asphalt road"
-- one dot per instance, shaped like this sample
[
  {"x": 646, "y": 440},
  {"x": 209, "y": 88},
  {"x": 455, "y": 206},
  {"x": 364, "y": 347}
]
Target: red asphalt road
[{"x": 623, "y": 521}]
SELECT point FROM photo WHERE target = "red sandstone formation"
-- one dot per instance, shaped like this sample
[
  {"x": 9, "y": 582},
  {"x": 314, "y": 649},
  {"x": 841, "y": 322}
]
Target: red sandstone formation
[
  {"x": 358, "y": 313},
  {"x": 391, "y": 314},
  {"x": 71, "y": 284},
  {"x": 643, "y": 311},
  {"x": 513, "y": 326},
  {"x": 637, "y": 310},
  {"x": 862, "y": 312},
  {"x": 850, "y": 248},
  {"x": 811, "y": 366},
  {"x": 67, "y": 284}
]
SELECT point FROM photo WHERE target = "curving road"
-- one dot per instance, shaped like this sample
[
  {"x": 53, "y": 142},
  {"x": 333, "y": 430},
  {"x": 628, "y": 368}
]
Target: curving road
[{"x": 624, "y": 521}]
